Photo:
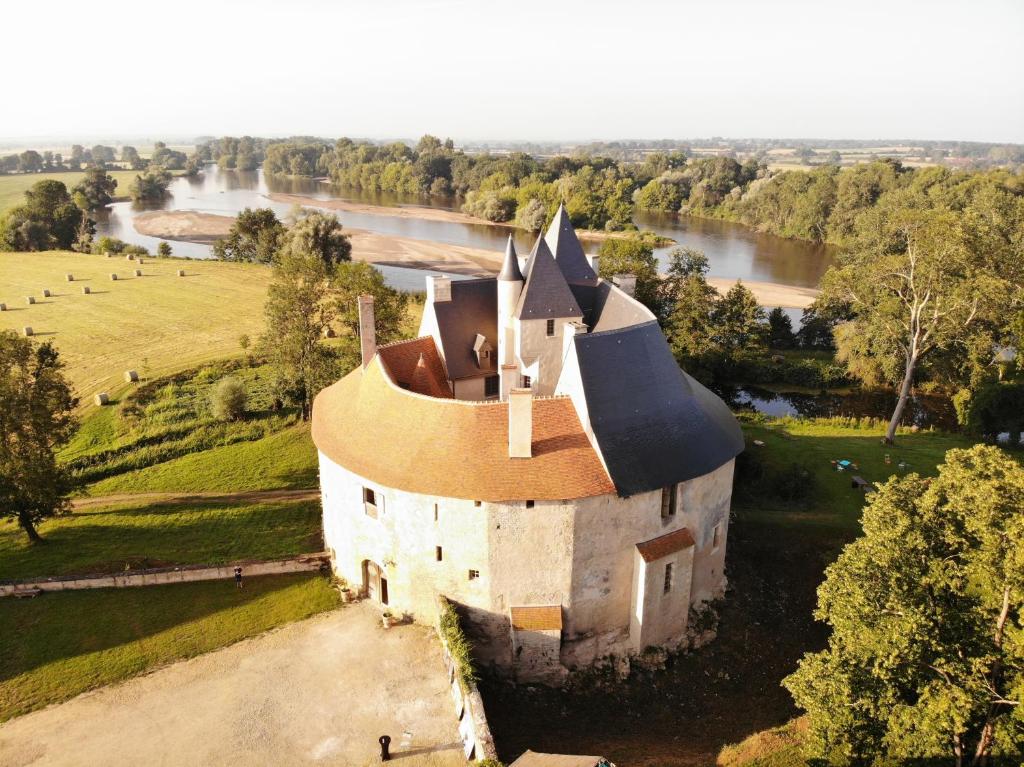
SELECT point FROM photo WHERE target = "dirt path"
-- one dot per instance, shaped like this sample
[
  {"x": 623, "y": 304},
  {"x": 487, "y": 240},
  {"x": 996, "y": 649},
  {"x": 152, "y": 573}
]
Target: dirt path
[
  {"x": 255, "y": 496},
  {"x": 316, "y": 692}
]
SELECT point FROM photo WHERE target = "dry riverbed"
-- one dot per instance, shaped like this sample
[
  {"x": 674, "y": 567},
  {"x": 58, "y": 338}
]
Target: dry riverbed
[{"x": 377, "y": 248}]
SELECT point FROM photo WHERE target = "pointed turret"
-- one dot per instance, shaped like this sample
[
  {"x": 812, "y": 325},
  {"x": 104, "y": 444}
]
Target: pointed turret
[
  {"x": 510, "y": 270},
  {"x": 546, "y": 294},
  {"x": 565, "y": 245}
]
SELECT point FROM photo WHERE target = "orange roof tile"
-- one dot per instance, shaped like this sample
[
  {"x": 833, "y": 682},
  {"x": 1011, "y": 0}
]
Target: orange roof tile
[
  {"x": 416, "y": 365},
  {"x": 663, "y": 545},
  {"x": 536, "y": 618},
  {"x": 452, "y": 448}
]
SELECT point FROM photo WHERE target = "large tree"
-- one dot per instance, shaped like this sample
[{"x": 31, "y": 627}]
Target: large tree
[
  {"x": 95, "y": 190},
  {"x": 914, "y": 287},
  {"x": 151, "y": 184},
  {"x": 358, "y": 278},
  {"x": 36, "y": 417},
  {"x": 687, "y": 302},
  {"x": 48, "y": 219},
  {"x": 319, "y": 234},
  {"x": 300, "y": 307},
  {"x": 926, "y": 657},
  {"x": 254, "y": 236},
  {"x": 633, "y": 255}
]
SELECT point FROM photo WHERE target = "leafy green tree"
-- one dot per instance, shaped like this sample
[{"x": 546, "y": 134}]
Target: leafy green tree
[
  {"x": 319, "y": 234},
  {"x": 95, "y": 190},
  {"x": 255, "y": 236},
  {"x": 926, "y": 659},
  {"x": 78, "y": 157},
  {"x": 163, "y": 249},
  {"x": 913, "y": 287},
  {"x": 300, "y": 307},
  {"x": 687, "y": 303},
  {"x": 102, "y": 154},
  {"x": 166, "y": 157},
  {"x": 194, "y": 166},
  {"x": 151, "y": 184},
  {"x": 995, "y": 408},
  {"x": 48, "y": 219},
  {"x": 30, "y": 161},
  {"x": 739, "y": 323},
  {"x": 532, "y": 216},
  {"x": 130, "y": 155},
  {"x": 633, "y": 255},
  {"x": 228, "y": 399},
  {"x": 36, "y": 418},
  {"x": 357, "y": 278},
  {"x": 780, "y": 330}
]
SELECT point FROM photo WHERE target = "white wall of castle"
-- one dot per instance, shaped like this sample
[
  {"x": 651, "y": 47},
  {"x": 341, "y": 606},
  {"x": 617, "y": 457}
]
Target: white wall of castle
[
  {"x": 540, "y": 354},
  {"x": 579, "y": 554}
]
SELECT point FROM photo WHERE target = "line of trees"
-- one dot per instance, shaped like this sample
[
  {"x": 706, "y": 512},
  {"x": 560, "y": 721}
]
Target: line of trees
[{"x": 99, "y": 156}]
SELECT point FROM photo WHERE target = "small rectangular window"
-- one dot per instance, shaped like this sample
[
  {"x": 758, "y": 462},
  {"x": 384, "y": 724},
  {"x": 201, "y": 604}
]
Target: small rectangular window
[
  {"x": 477, "y": 503},
  {"x": 716, "y": 536},
  {"x": 369, "y": 502},
  {"x": 474, "y": 574},
  {"x": 529, "y": 504},
  {"x": 551, "y": 327},
  {"x": 668, "y": 501},
  {"x": 527, "y": 383},
  {"x": 435, "y": 512},
  {"x": 669, "y": 573},
  {"x": 438, "y": 553},
  {"x": 491, "y": 386}
]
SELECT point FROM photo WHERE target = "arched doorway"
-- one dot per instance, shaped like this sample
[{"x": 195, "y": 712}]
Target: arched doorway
[{"x": 375, "y": 585}]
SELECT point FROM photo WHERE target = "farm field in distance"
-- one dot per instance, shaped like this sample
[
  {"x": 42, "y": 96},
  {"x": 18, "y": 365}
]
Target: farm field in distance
[
  {"x": 13, "y": 187},
  {"x": 155, "y": 324}
]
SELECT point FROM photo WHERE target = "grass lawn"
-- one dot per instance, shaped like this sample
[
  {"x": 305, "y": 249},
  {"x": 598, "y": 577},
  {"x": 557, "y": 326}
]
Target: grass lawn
[
  {"x": 155, "y": 324},
  {"x": 729, "y": 692},
  {"x": 155, "y": 534},
  {"x": 285, "y": 460},
  {"x": 58, "y": 645}
]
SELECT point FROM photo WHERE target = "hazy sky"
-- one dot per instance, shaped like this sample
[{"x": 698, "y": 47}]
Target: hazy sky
[{"x": 515, "y": 70}]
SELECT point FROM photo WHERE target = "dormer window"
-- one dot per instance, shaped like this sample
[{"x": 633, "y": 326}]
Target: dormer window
[
  {"x": 482, "y": 349},
  {"x": 551, "y": 327}
]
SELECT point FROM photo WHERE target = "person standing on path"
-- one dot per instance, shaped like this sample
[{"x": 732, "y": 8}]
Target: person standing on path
[{"x": 238, "y": 577}]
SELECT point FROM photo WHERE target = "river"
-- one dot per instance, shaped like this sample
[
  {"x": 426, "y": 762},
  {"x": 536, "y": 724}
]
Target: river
[{"x": 733, "y": 251}]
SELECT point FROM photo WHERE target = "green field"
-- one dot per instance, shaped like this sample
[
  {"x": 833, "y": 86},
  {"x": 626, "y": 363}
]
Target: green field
[
  {"x": 58, "y": 645},
  {"x": 12, "y": 188},
  {"x": 155, "y": 534},
  {"x": 155, "y": 324}
]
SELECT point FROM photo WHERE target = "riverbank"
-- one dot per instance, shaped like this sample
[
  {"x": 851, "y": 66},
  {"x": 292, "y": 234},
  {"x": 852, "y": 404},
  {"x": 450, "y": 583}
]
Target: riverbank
[
  {"x": 425, "y": 213},
  {"x": 392, "y": 250}
]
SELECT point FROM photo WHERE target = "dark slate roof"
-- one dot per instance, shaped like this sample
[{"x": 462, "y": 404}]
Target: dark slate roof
[
  {"x": 654, "y": 424},
  {"x": 510, "y": 267},
  {"x": 562, "y": 239},
  {"x": 472, "y": 310},
  {"x": 546, "y": 294}
]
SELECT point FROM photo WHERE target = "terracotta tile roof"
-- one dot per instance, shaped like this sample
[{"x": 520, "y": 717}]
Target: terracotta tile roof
[
  {"x": 416, "y": 365},
  {"x": 536, "y": 759},
  {"x": 452, "y": 448},
  {"x": 536, "y": 618},
  {"x": 663, "y": 545}
]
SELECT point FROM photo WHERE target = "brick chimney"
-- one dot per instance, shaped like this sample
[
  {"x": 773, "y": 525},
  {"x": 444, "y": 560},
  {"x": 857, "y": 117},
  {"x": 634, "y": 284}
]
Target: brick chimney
[
  {"x": 367, "y": 330},
  {"x": 626, "y": 283},
  {"x": 520, "y": 423}
]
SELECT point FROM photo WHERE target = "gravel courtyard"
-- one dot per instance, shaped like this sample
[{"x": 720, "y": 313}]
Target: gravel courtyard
[{"x": 316, "y": 692}]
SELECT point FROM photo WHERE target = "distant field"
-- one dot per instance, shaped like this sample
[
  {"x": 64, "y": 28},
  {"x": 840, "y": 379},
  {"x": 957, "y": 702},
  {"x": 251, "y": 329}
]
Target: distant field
[
  {"x": 59, "y": 645},
  {"x": 12, "y": 188},
  {"x": 155, "y": 324}
]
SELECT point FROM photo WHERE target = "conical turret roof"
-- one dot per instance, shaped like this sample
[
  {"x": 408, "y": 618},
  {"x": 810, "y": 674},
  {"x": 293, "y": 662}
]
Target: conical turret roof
[
  {"x": 546, "y": 294},
  {"x": 510, "y": 270},
  {"x": 565, "y": 245}
]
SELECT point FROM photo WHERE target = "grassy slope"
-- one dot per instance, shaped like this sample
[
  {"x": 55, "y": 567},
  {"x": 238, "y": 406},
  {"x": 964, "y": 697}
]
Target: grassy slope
[
  {"x": 53, "y": 647},
  {"x": 155, "y": 534},
  {"x": 154, "y": 324}
]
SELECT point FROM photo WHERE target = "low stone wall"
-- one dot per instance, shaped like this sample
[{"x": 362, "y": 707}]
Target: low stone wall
[
  {"x": 160, "y": 575},
  {"x": 477, "y": 741}
]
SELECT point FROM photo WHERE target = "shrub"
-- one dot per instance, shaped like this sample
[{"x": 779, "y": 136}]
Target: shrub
[
  {"x": 163, "y": 249},
  {"x": 459, "y": 645},
  {"x": 228, "y": 398}
]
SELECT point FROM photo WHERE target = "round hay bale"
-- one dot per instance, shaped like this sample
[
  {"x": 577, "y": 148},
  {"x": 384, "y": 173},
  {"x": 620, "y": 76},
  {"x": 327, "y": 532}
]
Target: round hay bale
[
  {"x": 138, "y": 272},
  {"x": 181, "y": 272},
  {"x": 102, "y": 398},
  {"x": 131, "y": 376},
  {"x": 328, "y": 332},
  {"x": 3, "y": 307},
  {"x": 46, "y": 293},
  {"x": 141, "y": 261},
  {"x": 113, "y": 277},
  {"x": 130, "y": 257},
  {"x": 69, "y": 277},
  {"x": 30, "y": 300},
  {"x": 108, "y": 254},
  {"x": 27, "y": 331},
  {"x": 85, "y": 290}
]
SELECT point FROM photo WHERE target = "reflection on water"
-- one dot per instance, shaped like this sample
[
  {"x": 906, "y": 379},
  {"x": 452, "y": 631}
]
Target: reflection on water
[
  {"x": 922, "y": 410},
  {"x": 732, "y": 250}
]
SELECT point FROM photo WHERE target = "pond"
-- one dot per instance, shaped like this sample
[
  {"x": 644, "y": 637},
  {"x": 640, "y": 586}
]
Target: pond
[{"x": 733, "y": 250}]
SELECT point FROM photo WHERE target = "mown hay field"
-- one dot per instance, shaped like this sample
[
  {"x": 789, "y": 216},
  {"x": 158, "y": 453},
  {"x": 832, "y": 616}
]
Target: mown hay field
[{"x": 155, "y": 324}]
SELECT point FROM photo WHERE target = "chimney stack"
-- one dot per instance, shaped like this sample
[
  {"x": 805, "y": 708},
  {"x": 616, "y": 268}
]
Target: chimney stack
[
  {"x": 594, "y": 262},
  {"x": 439, "y": 289},
  {"x": 626, "y": 283},
  {"x": 367, "y": 330},
  {"x": 520, "y": 423}
]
